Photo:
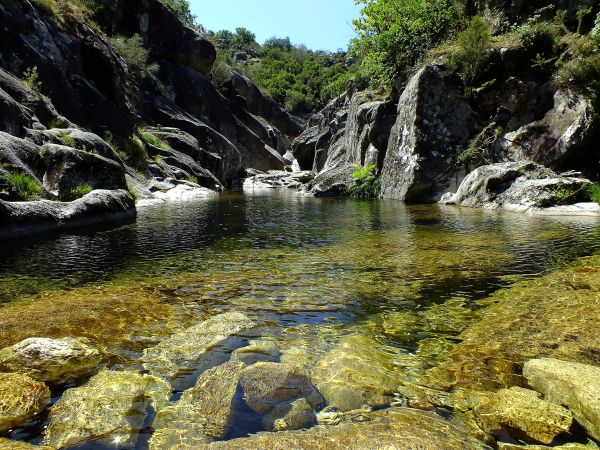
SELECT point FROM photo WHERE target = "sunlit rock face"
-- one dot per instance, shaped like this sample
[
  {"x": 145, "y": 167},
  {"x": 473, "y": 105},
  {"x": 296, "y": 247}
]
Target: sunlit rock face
[
  {"x": 183, "y": 351},
  {"x": 574, "y": 385},
  {"x": 203, "y": 413},
  {"x": 109, "y": 409},
  {"x": 20, "y": 400},
  {"x": 51, "y": 360}
]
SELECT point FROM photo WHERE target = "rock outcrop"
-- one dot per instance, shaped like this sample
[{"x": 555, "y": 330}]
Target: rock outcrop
[{"x": 570, "y": 384}]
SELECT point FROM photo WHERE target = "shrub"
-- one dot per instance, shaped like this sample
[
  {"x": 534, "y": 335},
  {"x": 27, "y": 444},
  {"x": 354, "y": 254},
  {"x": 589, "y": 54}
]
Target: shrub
[
  {"x": 132, "y": 50},
  {"x": 183, "y": 10},
  {"x": 192, "y": 179},
  {"x": 473, "y": 45},
  {"x": 23, "y": 185},
  {"x": 393, "y": 35},
  {"x": 31, "y": 79},
  {"x": 78, "y": 191},
  {"x": 366, "y": 183},
  {"x": 57, "y": 122},
  {"x": 151, "y": 139},
  {"x": 66, "y": 139},
  {"x": 593, "y": 192},
  {"x": 221, "y": 73},
  {"x": 136, "y": 153}
]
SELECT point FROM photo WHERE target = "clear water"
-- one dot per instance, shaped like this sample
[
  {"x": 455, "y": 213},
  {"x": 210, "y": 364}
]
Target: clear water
[{"x": 308, "y": 271}]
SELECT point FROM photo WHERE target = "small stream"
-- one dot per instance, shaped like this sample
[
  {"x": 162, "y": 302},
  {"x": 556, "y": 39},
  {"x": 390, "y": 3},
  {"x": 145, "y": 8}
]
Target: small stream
[{"x": 308, "y": 271}]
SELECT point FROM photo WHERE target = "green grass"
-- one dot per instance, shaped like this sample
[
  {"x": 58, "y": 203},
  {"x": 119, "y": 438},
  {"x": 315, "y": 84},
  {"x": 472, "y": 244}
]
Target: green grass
[
  {"x": 31, "y": 79},
  {"x": 366, "y": 183},
  {"x": 57, "y": 122},
  {"x": 151, "y": 139},
  {"x": 193, "y": 179},
  {"x": 25, "y": 186},
  {"x": 133, "y": 193},
  {"x": 158, "y": 159},
  {"x": 78, "y": 191},
  {"x": 593, "y": 192},
  {"x": 66, "y": 139}
]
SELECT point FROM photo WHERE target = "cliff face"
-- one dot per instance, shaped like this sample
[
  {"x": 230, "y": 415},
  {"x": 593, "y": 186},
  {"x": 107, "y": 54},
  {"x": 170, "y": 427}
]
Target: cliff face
[{"x": 76, "y": 81}]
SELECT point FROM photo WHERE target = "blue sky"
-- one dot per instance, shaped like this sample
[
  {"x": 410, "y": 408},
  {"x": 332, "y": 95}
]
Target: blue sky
[{"x": 318, "y": 24}]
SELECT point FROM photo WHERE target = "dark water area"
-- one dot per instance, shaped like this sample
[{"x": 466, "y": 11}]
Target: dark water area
[{"x": 308, "y": 271}]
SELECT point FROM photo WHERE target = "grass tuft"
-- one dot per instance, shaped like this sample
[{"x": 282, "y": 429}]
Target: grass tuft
[{"x": 24, "y": 186}]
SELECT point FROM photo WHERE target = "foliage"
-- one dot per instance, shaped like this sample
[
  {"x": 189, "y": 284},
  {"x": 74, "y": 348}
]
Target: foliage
[
  {"x": 192, "y": 179},
  {"x": 31, "y": 79},
  {"x": 66, "y": 139},
  {"x": 470, "y": 152},
  {"x": 158, "y": 159},
  {"x": 78, "y": 191},
  {"x": 366, "y": 183},
  {"x": 183, "y": 10},
  {"x": 151, "y": 139},
  {"x": 132, "y": 50},
  {"x": 393, "y": 35},
  {"x": 57, "y": 122},
  {"x": 473, "y": 45},
  {"x": 133, "y": 192},
  {"x": 24, "y": 185},
  {"x": 564, "y": 194},
  {"x": 301, "y": 79}
]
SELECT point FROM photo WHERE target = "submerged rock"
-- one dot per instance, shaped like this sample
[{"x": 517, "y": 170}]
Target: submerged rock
[
  {"x": 256, "y": 351},
  {"x": 7, "y": 444},
  {"x": 21, "y": 399},
  {"x": 392, "y": 428},
  {"x": 266, "y": 384},
  {"x": 204, "y": 412},
  {"x": 110, "y": 409},
  {"x": 355, "y": 373},
  {"x": 182, "y": 352},
  {"x": 522, "y": 413},
  {"x": 290, "y": 416},
  {"x": 577, "y": 386},
  {"x": 51, "y": 360}
]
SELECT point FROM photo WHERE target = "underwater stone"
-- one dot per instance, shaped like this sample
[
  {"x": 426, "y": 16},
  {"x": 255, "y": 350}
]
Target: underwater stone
[
  {"x": 290, "y": 416},
  {"x": 203, "y": 412},
  {"x": 568, "y": 446},
  {"x": 522, "y": 412},
  {"x": 394, "y": 428},
  {"x": 574, "y": 385},
  {"x": 21, "y": 399},
  {"x": 267, "y": 384},
  {"x": 7, "y": 444},
  {"x": 110, "y": 408},
  {"x": 257, "y": 350},
  {"x": 355, "y": 373},
  {"x": 51, "y": 360},
  {"x": 183, "y": 350}
]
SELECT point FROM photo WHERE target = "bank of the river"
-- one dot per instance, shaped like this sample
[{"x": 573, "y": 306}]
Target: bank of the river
[{"x": 289, "y": 312}]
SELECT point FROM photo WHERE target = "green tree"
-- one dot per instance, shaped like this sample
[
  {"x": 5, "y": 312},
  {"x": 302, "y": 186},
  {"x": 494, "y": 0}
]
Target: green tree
[
  {"x": 393, "y": 35},
  {"x": 183, "y": 10}
]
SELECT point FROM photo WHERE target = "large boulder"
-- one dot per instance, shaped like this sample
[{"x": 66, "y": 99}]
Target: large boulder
[
  {"x": 519, "y": 186},
  {"x": 183, "y": 351},
  {"x": 51, "y": 360},
  {"x": 267, "y": 384},
  {"x": 573, "y": 385},
  {"x": 21, "y": 399},
  {"x": 109, "y": 409},
  {"x": 203, "y": 413},
  {"x": 433, "y": 121},
  {"x": 98, "y": 208}
]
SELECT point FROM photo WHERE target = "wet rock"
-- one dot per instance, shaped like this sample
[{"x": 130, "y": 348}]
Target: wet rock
[
  {"x": 98, "y": 208},
  {"x": 258, "y": 350},
  {"x": 290, "y": 416},
  {"x": 203, "y": 412},
  {"x": 355, "y": 373},
  {"x": 522, "y": 413},
  {"x": 182, "y": 351},
  {"x": 432, "y": 121},
  {"x": 516, "y": 186},
  {"x": 7, "y": 444},
  {"x": 51, "y": 360},
  {"x": 392, "y": 428},
  {"x": 185, "y": 191},
  {"x": 266, "y": 384},
  {"x": 22, "y": 398},
  {"x": 573, "y": 385},
  {"x": 109, "y": 409}
]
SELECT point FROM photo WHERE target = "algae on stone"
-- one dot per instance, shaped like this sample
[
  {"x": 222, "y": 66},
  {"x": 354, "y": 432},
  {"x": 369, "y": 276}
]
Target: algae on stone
[
  {"x": 21, "y": 398},
  {"x": 51, "y": 360},
  {"x": 292, "y": 415},
  {"x": 356, "y": 372},
  {"x": 266, "y": 384},
  {"x": 574, "y": 385},
  {"x": 110, "y": 408},
  {"x": 203, "y": 413},
  {"x": 182, "y": 351}
]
